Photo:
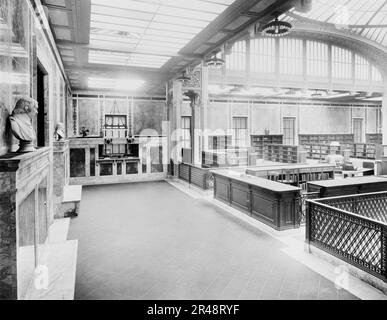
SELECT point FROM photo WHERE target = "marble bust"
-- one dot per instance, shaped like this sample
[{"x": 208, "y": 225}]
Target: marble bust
[
  {"x": 21, "y": 123},
  {"x": 59, "y": 132}
]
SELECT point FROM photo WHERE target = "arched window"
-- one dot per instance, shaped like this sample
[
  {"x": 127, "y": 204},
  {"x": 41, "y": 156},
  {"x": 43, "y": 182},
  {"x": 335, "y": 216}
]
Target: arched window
[
  {"x": 262, "y": 55},
  {"x": 341, "y": 63},
  {"x": 236, "y": 60},
  {"x": 376, "y": 75},
  {"x": 291, "y": 56},
  {"x": 317, "y": 59},
  {"x": 362, "y": 68}
]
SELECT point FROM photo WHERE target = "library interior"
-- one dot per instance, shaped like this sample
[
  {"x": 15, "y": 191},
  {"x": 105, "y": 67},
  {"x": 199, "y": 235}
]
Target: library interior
[{"x": 202, "y": 149}]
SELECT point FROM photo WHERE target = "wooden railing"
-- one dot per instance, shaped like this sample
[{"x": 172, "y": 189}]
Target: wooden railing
[
  {"x": 199, "y": 177},
  {"x": 352, "y": 228}
]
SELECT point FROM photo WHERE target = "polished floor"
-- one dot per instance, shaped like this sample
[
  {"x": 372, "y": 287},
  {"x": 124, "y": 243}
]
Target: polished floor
[{"x": 151, "y": 241}]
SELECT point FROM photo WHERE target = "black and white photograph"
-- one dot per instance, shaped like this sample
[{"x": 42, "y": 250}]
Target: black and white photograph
[{"x": 195, "y": 156}]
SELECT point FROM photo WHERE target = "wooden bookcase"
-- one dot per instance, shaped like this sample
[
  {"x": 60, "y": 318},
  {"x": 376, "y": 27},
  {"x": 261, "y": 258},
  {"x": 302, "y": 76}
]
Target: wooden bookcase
[
  {"x": 258, "y": 143},
  {"x": 358, "y": 150},
  {"x": 374, "y": 138},
  {"x": 297, "y": 175},
  {"x": 325, "y": 138},
  {"x": 283, "y": 153}
]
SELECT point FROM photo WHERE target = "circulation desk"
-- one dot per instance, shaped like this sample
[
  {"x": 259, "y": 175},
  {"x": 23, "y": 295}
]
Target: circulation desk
[
  {"x": 342, "y": 187},
  {"x": 273, "y": 203}
]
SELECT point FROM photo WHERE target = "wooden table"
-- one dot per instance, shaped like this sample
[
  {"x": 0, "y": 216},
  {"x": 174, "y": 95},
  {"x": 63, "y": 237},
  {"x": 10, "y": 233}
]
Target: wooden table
[
  {"x": 341, "y": 187},
  {"x": 273, "y": 203}
]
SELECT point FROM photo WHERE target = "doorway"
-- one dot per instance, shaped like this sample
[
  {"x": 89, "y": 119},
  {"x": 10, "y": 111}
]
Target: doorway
[{"x": 42, "y": 90}]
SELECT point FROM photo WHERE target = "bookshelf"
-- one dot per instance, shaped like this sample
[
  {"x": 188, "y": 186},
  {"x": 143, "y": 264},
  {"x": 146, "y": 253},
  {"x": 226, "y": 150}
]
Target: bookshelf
[
  {"x": 258, "y": 143},
  {"x": 325, "y": 138},
  {"x": 283, "y": 153},
  {"x": 297, "y": 175},
  {"x": 374, "y": 138},
  {"x": 358, "y": 150}
]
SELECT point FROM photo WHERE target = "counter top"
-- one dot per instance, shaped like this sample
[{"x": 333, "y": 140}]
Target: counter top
[
  {"x": 348, "y": 181},
  {"x": 255, "y": 181},
  {"x": 293, "y": 167}
]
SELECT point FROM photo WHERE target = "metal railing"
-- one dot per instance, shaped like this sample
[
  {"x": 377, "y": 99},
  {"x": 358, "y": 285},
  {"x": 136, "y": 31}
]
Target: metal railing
[
  {"x": 352, "y": 228},
  {"x": 304, "y": 197}
]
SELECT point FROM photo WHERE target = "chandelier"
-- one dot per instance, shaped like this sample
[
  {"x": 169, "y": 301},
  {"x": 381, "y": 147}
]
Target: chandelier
[
  {"x": 277, "y": 28},
  {"x": 215, "y": 63},
  {"x": 183, "y": 77}
]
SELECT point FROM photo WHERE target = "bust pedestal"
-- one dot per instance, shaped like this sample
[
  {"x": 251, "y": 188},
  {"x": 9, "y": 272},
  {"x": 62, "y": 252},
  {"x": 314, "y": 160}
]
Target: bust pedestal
[{"x": 24, "y": 216}]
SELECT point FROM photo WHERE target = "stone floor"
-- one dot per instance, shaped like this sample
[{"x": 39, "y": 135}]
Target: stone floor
[{"x": 151, "y": 241}]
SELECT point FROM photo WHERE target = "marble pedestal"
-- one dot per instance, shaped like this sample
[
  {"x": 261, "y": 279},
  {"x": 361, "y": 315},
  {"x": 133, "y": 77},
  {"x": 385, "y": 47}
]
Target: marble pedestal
[{"x": 24, "y": 212}]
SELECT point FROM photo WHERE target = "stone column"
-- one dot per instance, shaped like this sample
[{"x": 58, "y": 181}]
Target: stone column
[
  {"x": 193, "y": 96},
  {"x": 384, "y": 133},
  {"x": 61, "y": 173}
]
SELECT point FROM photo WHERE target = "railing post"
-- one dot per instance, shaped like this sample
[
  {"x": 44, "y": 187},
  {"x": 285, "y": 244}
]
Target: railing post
[
  {"x": 189, "y": 174},
  {"x": 384, "y": 252},
  {"x": 308, "y": 213}
]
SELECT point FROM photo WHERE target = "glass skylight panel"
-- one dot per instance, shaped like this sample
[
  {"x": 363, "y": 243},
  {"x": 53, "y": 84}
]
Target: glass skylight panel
[
  {"x": 125, "y": 59},
  {"x": 121, "y": 13},
  {"x": 158, "y": 26},
  {"x": 184, "y": 13},
  {"x": 169, "y": 34},
  {"x": 199, "y": 5},
  {"x": 180, "y": 21},
  {"x": 120, "y": 21},
  {"x": 151, "y": 26},
  {"x": 115, "y": 84},
  {"x": 114, "y": 38},
  {"x": 128, "y": 4}
]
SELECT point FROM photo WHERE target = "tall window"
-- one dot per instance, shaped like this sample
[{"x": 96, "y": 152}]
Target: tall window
[
  {"x": 362, "y": 68},
  {"x": 291, "y": 56},
  {"x": 186, "y": 132},
  {"x": 317, "y": 59},
  {"x": 236, "y": 60},
  {"x": 240, "y": 131},
  {"x": 376, "y": 75},
  {"x": 289, "y": 131},
  {"x": 262, "y": 55},
  {"x": 341, "y": 63},
  {"x": 358, "y": 130}
]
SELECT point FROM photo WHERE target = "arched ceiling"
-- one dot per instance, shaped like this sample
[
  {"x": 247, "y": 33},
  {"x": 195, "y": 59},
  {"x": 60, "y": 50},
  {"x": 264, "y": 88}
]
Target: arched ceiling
[{"x": 366, "y": 18}]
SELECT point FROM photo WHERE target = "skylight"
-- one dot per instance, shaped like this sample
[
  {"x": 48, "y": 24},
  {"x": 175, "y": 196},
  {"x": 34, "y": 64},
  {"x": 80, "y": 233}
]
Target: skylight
[
  {"x": 364, "y": 17},
  {"x": 115, "y": 84},
  {"x": 148, "y": 28}
]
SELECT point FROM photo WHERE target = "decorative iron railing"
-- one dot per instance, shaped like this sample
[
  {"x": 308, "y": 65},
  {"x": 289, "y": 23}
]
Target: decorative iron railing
[
  {"x": 303, "y": 204},
  {"x": 199, "y": 177},
  {"x": 352, "y": 228}
]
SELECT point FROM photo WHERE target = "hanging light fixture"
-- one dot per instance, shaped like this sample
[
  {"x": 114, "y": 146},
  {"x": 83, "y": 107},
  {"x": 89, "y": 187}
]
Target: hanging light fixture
[
  {"x": 183, "y": 77},
  {"x": 277, "y": 28},
  {"x": 214, "y": 62}
]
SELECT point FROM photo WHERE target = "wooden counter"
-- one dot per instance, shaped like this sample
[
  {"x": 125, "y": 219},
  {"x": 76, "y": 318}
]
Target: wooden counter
[
  {"x": 294, "y": 174},
  {"x": 273, "y": 203},
  {"x": 341, "y": 187}
]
